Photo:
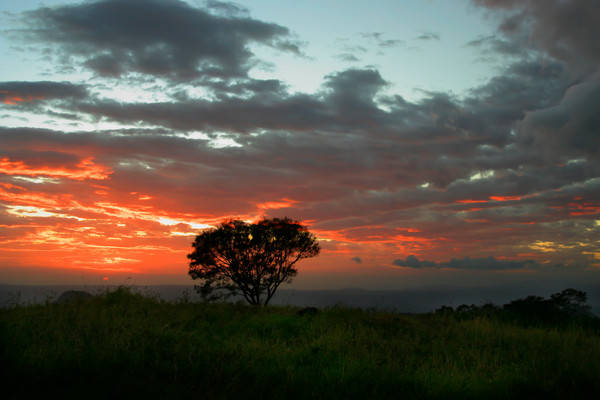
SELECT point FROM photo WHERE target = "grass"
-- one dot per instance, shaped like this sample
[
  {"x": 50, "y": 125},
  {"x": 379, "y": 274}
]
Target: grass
[{"x": 122, "y": 344}]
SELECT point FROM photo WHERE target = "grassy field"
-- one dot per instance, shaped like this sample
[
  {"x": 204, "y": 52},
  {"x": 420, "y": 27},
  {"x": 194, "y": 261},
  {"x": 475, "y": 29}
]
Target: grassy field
[{"x": 123, "y": 344}]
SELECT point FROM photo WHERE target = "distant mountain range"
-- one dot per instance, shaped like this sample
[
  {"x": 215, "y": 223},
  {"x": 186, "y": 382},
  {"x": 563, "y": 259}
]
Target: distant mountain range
[{"x": 406, "y": 301}]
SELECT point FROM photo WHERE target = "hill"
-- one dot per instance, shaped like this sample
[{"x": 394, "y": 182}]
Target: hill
[
  {"x": 418, "y": 300},
  {"x": 122, "y": 344}
]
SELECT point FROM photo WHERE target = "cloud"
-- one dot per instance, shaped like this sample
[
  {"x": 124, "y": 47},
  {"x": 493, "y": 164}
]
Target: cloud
[
  {"x": 572, "y": 125},
  {"x": 21, "y": 93},
  {"x": 166, "y": 38},
  {"x": 84, "y": 169},
  {"x": 346, "y": 103},
  {"x": 507, "y": 169},
  {"x": 549, "y": 24},
  {"x": 428, "y": 35},
  {"x": 488, "y": 263},
  {"x": 297, "y": 112},
  {"x": 347, "y": 57},
  {"x": 354, "y": 85},
  {"x": 227, "y": 9},
  {"x": 377, "y": 38},
  {"x": 413, "y": 262},
  {"x": 566, "y": 124}
]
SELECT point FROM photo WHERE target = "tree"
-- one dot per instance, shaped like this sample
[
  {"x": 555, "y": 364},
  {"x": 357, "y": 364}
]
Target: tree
[
  {"x": 571, "y": 302},
  {"x": 560, "y": 308},
  {"x": 251, "y": 259}
]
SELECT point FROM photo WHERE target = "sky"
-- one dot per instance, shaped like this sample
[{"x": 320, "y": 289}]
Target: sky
[{"x": 422, "y": 142}]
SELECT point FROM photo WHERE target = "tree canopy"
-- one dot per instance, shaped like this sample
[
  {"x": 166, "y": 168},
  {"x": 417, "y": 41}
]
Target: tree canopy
[
  {"x": 567, "y": 306},
  {"x": 251, "y": 259}
]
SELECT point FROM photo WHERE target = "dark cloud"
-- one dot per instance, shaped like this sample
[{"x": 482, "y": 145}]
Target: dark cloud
[
  {"x": 563, "y": 124},
  {"x": 550, "y": 25},
  {"x": 441, "y": 140},
  {"x": 349, "y": 52},
  {"x": 166, "y": 38},
  {"x": 413, "y": 262},
  {"x": 296, "y": 113},
  {"x": 347, "y": 57},
  {"x": 428, "y": 35},
  {"x": 572, "y": 126},
  {"x": 228, "y": 9},
  {"x": 40, "y": 159},
  {"x": 357, "y": 260},
  {"x": 497, "y": 48},
  {"x": 488, "y": 263},
  {"x": 355, "y": 85},
  {"x": 346, "y": 104},
  {"x": 14, "y": 93},
  {"x": 377, "y": 38}
]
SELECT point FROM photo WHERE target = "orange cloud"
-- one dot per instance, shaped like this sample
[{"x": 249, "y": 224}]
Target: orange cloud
[
  {"x": 86, "y": 169},
  {"x": 467, "y": 201},
  {"x": 141, "y": 196},
  {"x": 584, "y": 209},
  {"x": 505, "y": 198},
  {"x": 274, "y": 205},
  {"x": 18, "y": 195}
]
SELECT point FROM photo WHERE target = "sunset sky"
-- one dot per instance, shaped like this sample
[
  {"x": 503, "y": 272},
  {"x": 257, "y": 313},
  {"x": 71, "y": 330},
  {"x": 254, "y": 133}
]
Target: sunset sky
[{"x": 422, "y": 142}]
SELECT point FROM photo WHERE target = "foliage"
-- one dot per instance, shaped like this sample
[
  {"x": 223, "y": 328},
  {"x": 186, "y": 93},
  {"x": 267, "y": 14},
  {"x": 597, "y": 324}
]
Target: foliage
[
  {"x": 571, "y": 302},
  {"x": 249, "y": 259},
  {"x": 567, "y": 306},
  {"x": 124, "y": 345}
]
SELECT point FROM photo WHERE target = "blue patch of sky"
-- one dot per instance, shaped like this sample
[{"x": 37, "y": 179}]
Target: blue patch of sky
[{"x": 331, "y": 30}]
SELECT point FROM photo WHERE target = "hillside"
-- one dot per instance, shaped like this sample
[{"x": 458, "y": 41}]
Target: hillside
[{"x": 122, "y": 344}]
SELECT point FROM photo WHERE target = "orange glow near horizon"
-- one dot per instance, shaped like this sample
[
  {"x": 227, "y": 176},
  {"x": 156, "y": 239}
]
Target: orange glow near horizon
[
  {"x": 62, "y": 231},
  {"x": 92, "y": 225}
]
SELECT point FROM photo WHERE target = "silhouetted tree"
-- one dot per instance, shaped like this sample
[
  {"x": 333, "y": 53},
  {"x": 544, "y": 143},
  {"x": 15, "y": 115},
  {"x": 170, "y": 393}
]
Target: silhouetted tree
[
  {"x": 571, "y": 302},
  {"x": 566, "y": 307},
  {"x": 532, "y": 310},
  {"x": 559, "y": 308},
  {"x": 251, "y": 259}
]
